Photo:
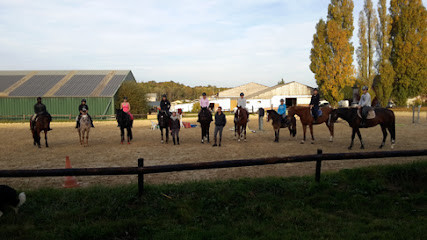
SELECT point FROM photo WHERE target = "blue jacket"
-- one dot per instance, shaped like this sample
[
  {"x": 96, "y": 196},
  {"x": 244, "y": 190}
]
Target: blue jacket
[{"x": 282, "y": 109}]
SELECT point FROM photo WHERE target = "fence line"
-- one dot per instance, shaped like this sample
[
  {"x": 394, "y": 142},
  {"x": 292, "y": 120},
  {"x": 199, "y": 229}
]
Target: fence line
[
  {"x": 25, "y": 117},
  {"x": 141, "y": 170}
]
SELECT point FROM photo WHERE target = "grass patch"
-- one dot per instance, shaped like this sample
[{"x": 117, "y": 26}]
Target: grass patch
[{"x": 384, "y": 202}]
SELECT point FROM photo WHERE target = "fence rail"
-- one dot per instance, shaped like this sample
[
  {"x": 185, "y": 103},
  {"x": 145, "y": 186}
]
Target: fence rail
[
  {"x": 141, "y": 170},
  {"x": 25, "y": 117}
]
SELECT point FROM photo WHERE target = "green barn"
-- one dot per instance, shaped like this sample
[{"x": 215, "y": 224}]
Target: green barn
[{"x": 61, "y": 91}]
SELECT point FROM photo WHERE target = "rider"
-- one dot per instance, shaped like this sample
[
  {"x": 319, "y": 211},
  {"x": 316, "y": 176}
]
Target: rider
[
  {"x": 314, "y": 104},
  {"x": 83, "y": 108},
  {"x": 125, "y": 106},
  {"x": 241, "y": 102},
  {"x": 365, "y": 104},
  {"x": 40, "y": 109},
  {"x": 204, "y": 104},
  {"x": 165, "y": 105},
  {"x": 282, "y": 109}
]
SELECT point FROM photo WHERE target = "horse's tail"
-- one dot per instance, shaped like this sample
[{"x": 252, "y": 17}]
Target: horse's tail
[{"x": 293, "y": 126}]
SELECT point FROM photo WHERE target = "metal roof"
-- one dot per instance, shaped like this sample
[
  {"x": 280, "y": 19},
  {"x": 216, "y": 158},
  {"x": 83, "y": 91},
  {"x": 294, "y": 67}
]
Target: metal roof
[{"x": 65, "y": 83}]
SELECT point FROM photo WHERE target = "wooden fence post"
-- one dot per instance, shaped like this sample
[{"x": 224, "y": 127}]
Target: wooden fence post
[
  {"x": 140, "y": 177},
  {"x": 318, "y": 165}
]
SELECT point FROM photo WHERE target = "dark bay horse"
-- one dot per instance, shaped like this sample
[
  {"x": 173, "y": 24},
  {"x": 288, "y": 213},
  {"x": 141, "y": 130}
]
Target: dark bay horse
[
  {"x": 240, "y": 123},
  {"x": 41, "y": 124},
  {"x": 164, "y": 124},
  {"x": 277, "y": 123},
  {"x": 384, "y": 117},
  {"x": 123, "y": 119},
  {"x": 205, "y": 123},
  {"x": 307, "y": 120}
]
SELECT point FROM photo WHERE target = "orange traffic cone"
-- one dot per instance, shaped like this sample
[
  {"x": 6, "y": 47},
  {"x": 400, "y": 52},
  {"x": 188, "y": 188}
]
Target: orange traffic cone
[{"x": 70, "y": 181}]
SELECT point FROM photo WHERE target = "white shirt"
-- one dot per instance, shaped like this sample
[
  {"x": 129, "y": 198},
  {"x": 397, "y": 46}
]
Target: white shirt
[
  {"x": 365, "y": 100},
  {"x": 241, "y": 102}
]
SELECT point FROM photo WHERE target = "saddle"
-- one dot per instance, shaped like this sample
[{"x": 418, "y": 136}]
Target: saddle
[
  {"x": 370, "y": 115},
  {"x": 319, "y": 113}
]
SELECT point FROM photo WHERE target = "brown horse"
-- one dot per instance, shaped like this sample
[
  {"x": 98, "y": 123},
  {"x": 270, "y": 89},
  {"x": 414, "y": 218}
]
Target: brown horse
[
  {"x": 41, "y": 124},
  {"x": 277, "y": 123},
  {"x": 307, "y": 119},
  {"x": 240, "y": 122},
  {"x": 384, "y": 117}
]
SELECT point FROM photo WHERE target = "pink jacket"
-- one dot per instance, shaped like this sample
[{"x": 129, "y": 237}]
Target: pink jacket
[{"x": 204, "y": 102}]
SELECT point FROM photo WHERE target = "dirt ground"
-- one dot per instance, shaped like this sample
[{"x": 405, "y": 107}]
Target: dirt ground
[{"x": 105, "y": 150}]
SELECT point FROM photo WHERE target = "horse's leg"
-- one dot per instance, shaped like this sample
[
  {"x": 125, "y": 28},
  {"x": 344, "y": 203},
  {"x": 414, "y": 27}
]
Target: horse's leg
[
  {"x": 383, "y": 129},
  {"x": 278, "y": 134},
  {"x": 87, "y": 137},
  {"x": 304, "y": 129},
  {"x": 244, "y": 129},
  {"x": 353, "y": 134},
  {"x": 161, "y": 132},
  {"x": 45, "y": 138},
  {"x": 207, "y": 132},
  {"x": 362, "y": 146},
  {"x": 311, "y": 132},
  {"x": 38, "y": 138},
  {"x": 129, "y": 134},
  {"x": 275, "y": 135},
  {"x": 331, "y": 131},
  {"x": 392, "y": 131},
  {"x": 122, "y": 134},
  {"x": 239, "y": 132}
]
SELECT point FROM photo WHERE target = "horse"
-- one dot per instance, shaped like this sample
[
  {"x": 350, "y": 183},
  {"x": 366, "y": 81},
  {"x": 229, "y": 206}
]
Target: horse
[
  {"x": 307, "y": 119},
  {"x": 164, "y": 124},
  {"x": 84, "y": 129},
  {"x": 384, "y": 117},
  {"x": 123, "y": 119},
  {"x": 41, "y": 124},
  {"x": 290, "y": 123},
  {"x": 205, "y": 123},
  {"x": 240, "y": 123}
]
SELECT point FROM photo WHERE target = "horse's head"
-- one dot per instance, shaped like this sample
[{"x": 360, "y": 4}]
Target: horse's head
[
  {"x": 291, "y": 111},
  {"x": 334, "y": 115},
  {"x": 270, "y": 114}
]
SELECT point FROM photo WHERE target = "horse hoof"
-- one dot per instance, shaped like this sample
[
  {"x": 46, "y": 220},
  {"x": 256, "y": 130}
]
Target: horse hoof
[
  {"x": 312, "y": 142},
  {"x": 349, "y": 148},
  {"x": 381, "y": 146},
  {"x": 244, "y": 140},
  {"x": 362, "y": 147},
  {"x": 331, "y": 139},
  {"x": 302, "y": 142},
  {"x": 238, "y": 140},
  {"x": 392, "y": 146}
]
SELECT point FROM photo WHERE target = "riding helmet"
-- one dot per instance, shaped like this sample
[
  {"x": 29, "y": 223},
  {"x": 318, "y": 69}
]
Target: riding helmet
[
  {"x": 39, "y": 98},
  {"x": 242, "y": 94},
  {"x": 315, "y": 89},
  {"x": 282, "y": 100},
  {"x": 125, "y": 98},
  {"x": 365, "y": 88},
  {"x": 83, "y": 100},
  {"x": 203, "y": 94},
  {"x": 164, "y": 95}
]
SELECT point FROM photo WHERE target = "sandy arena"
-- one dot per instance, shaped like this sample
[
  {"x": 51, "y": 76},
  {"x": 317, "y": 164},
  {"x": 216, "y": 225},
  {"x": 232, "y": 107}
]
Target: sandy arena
[{"x": 105, "y": 150}]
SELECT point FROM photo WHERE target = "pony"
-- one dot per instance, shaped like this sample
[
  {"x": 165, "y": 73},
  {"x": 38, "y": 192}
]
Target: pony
[
  {"x": 307, "y": 120},
  {"x": 290, "y": 123},
  {"x": 240, "y": 123},
  {"x": 40, "y": 124},
  {"x": 205, "y": 123},
  {"x": 384, "y": 117},
  {"x": 84, "y": 129},
  {"x": 164, "y": 124},
  {"x": 123, "y": 119}
]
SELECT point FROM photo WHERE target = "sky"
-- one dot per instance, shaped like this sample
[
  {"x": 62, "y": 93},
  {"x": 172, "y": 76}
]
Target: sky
[{"x": 224, "y": 43}]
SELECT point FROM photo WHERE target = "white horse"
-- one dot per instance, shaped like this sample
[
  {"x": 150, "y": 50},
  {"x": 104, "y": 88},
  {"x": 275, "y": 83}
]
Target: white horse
[{"x": 84, "y": 128}]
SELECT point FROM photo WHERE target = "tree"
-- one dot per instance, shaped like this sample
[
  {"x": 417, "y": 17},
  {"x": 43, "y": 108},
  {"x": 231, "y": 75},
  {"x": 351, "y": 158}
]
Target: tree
[
  {"x": 383, "y": 82},
  {"x": 367, "y": 37},
  {"x": 332, "y": 52},
  {"x": 281, "y": 82},
  {"x": 409, "y": 49},
  {"x": 196, "y": 107},
  {"x": 136, "y": 97}
]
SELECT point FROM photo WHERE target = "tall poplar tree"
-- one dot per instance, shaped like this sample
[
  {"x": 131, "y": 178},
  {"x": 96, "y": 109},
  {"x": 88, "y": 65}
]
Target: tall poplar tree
[
  {"x": 333, "y": 49},
  {"x": 383, "y": 82},
  {"x": 367, "y": 38},
  {"x": 409, "y": 50}
]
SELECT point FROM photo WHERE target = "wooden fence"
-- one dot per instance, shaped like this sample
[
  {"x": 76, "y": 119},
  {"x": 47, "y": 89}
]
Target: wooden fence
[{"x": 141, "y": 170}]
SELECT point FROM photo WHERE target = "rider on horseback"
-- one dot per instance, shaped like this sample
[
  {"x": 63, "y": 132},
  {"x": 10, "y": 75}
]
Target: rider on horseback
[
  {"x": 365, "y": 104},
  {"x": 125, "y": 106},
  {"x": 83, "y": 108},
  {"x": 314, "y": 104},
  {"x": 204, "y": 104},
  {"x": 165, "y": 105},
  {"x": 241, "y": 102},
  {"x": 282, "y": 110},
  {"x": 40, "y": 109}
]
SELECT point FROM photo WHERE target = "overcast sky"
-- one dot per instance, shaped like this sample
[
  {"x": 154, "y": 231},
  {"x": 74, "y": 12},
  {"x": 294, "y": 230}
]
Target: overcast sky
[{"x": 223, "y": 43}]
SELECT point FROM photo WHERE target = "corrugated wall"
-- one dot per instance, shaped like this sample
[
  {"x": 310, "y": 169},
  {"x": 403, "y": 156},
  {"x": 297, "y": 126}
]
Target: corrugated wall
[{"x": 56, "y": 105}]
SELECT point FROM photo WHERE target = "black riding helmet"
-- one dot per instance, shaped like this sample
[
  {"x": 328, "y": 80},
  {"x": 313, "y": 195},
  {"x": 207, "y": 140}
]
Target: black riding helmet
[
  {"x": 203, "y": 94},
  {"x": 242, "y": 94},
  {"x": 39, "y": 99},
  {"x": 164, "y": 96},
  {"x": 125, "y": 98},
  {"x": 83, "y": 100}
]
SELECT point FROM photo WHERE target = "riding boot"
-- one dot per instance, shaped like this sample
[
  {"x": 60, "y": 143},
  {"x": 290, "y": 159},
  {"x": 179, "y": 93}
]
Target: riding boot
[
  {"x": 173, "y": 141},
  {"x": 363, "y": 122},
  {"x": 48, "y": 127},
  {"x": 77, "y": 124},
  {"x": 177, "y": 140},
  {"x": 91, "y": 122}
]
